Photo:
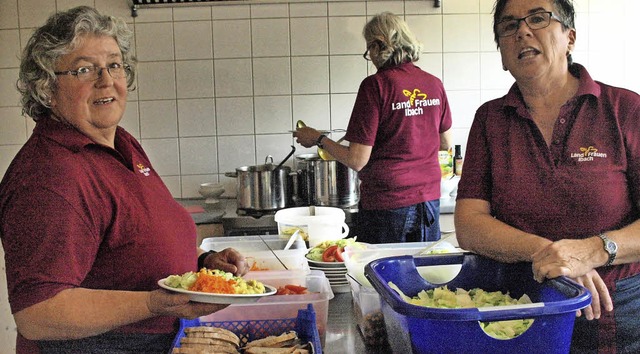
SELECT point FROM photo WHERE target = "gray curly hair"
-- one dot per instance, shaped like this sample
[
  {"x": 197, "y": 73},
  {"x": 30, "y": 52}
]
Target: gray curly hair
[
  {"x": 395, "y": 41},
  {"x": 57, "y": 37}
]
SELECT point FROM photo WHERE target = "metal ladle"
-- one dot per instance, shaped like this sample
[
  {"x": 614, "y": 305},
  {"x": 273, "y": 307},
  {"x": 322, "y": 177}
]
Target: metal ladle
[
  {"x": 324, "y": 154},
  {"x": 293, "y": 149}
]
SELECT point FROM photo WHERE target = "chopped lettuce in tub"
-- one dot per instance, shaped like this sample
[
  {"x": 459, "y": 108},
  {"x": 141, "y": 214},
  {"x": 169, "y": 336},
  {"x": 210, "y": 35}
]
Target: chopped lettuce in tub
[{"x": 442, "y": 297}]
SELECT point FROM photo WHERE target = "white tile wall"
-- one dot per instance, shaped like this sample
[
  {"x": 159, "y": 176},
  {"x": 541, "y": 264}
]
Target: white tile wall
[{"x": 220, "y": 86}]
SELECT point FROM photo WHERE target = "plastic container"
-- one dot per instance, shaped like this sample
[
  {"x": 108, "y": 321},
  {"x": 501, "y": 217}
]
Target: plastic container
[
  {"x": 283, "y": 306},
  {"x": 255, "y": 250},
  {"x": 250, "y": 243},
  {"x": 328, "y": 223},
  {"x": 304, "y": 323},
  {"x": 355, "y": 259},
  {"x": 368, "y": 314},
  {"x": 417, "y": 329},
  {"x": 366, "y": 301}
]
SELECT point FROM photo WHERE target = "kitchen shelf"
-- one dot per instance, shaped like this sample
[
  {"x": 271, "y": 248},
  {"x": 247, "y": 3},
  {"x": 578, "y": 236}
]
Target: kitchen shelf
[{"x": 139, "y": 4}]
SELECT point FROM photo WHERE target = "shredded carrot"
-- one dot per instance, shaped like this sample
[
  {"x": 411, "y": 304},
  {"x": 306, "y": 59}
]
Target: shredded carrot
[
  {"x": 254, "y": 267},
  {"x": 213, "y": 284}
]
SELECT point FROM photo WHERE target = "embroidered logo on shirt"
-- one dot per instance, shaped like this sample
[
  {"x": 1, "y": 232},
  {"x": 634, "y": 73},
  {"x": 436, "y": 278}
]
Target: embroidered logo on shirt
[
  {"x": 588, "y": 154},
  {"x": 414, "y": 105},
  {"x": 144, "y": 170}
]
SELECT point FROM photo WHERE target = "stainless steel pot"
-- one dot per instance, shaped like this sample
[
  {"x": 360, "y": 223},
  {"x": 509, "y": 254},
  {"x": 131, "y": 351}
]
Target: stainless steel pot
[
  {"x": 325, "y": 183},
  {"x": 263, "y": 187}
]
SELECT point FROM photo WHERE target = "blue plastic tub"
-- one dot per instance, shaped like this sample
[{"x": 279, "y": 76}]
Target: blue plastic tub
[
  {"x": 418, "y": 329},
  {"x": 304, "y": 325}
]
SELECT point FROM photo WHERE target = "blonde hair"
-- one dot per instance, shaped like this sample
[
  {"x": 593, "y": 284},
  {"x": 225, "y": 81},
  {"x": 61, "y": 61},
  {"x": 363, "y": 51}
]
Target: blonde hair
[{"x": 396, "y": 43}]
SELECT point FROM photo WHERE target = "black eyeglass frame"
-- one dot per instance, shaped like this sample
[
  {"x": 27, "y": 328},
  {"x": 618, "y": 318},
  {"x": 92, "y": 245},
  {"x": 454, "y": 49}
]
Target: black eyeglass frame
[
  {"x": 366, "y": 56},
  {"x": 125, "y": 67},
  {"x": 526, "y": 21}
]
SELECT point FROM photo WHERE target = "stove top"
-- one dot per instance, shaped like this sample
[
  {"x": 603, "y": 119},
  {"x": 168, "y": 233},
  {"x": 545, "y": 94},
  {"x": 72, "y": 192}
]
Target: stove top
[{"x": 255, "y": 213}]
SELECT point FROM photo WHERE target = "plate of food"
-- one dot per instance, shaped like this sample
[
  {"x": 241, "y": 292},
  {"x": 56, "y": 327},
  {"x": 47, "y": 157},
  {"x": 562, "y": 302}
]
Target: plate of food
[
  {"x": 328, "y": 254},
  {"x": 217, "y": 287}
]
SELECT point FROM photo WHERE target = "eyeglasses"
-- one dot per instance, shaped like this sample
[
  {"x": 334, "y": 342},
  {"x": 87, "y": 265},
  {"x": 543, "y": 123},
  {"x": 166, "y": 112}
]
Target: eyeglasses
[
  {"x": 366, "y": 55},
  {"x": 534, "y": 21},
  {"x": 93, "y": 73}
]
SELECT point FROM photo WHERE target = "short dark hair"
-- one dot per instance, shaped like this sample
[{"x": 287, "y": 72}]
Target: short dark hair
[{"x": 562, "y": 8}]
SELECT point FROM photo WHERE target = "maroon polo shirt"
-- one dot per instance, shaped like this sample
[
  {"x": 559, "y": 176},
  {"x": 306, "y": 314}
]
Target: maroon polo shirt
[
  {"x": 586, "y": 182},
  {"x": 77, "y": 214},
  {"x": 400, "y": 111}
]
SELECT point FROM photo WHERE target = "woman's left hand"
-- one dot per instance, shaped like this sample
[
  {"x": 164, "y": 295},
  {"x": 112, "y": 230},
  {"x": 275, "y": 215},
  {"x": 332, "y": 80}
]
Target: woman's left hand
[
  {"x": 166, "y": 303},
  {"x": 600, "y": 297},
  {"x": 574, "y": 259},
  {"x": 306, "y": 136},
  {"x": 228, "y": 260},
  {"x": 568, "y": 257}
]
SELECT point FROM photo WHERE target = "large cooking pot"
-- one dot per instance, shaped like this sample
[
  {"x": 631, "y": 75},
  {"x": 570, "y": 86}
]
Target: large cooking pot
[
  {"x": 325, "y": 182},
  {"x": 263, "y": 187}
]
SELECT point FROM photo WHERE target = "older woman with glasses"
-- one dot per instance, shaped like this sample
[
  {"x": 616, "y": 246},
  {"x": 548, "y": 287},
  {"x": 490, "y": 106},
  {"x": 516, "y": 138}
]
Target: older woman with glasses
[
  {"x": 401, "y": 119},
  {"x": 552, "y": 174},
  {"x": 87, "y": 226}
]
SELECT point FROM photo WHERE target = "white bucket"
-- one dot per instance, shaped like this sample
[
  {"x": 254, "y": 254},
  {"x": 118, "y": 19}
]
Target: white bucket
[{"x": 327, "y": 224}]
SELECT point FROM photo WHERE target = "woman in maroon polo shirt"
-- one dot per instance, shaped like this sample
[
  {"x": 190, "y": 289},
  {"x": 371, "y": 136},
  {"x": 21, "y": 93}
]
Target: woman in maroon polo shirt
[
  {"x": 87, "y": 225},
  {"x": 552, "y": 174},
  {"x": 400, "y": 120}
]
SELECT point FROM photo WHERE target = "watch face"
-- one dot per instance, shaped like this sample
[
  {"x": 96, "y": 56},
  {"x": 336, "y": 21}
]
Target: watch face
[{"x": 612, "y": 247}]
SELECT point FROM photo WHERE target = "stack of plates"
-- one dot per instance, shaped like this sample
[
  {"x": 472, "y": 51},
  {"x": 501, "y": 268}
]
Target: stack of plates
[{"x": 335, "y": 272}]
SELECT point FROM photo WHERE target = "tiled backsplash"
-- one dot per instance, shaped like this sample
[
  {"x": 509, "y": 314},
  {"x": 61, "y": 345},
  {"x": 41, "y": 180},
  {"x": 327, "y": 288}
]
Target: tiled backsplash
[{"x": 221, "y": 86}]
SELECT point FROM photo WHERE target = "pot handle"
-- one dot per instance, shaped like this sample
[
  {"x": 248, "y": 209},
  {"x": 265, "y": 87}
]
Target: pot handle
[{"x": 231, "y": 174}]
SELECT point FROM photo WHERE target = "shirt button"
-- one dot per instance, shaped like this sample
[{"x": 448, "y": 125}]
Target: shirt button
[
  {"x": 556, "y": 141},
  {"x": 562, "y": 120}
]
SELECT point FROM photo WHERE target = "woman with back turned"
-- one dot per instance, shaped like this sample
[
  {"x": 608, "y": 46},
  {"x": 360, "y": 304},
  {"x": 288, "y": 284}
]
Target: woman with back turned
[{"x": 400, "y": 120}]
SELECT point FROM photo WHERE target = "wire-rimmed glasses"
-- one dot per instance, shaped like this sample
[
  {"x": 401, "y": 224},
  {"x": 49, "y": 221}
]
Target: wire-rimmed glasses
[{"x": 93, "y": 73}]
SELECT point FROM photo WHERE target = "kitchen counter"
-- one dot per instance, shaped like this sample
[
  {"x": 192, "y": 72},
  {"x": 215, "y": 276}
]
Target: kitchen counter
[{"x": 342, "y": 335}]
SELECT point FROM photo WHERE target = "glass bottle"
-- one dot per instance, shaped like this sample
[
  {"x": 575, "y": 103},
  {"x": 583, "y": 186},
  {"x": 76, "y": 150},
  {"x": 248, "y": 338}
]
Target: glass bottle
[{"x": 457, "y": 161}]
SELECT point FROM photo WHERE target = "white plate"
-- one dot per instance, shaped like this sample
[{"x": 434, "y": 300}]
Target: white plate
[
  {"x": 330, "y": 270},
  {"x": 212, "y": 298},
  {"x": 326, "y": 264}
]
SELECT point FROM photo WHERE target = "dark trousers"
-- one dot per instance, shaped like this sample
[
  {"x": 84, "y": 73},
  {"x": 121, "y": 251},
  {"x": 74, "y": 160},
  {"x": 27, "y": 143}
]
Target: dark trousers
[
  {"x": 415, "y": 223},
  {"x": 622, "y": 325}
]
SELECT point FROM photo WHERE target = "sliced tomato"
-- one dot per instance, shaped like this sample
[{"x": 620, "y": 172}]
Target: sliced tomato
[
  {"x": 329, "y": 254},
  {"x": 284, "y": 291},
  {"x": 297, "y": 289},
  {"x": 338, "y": 254}
]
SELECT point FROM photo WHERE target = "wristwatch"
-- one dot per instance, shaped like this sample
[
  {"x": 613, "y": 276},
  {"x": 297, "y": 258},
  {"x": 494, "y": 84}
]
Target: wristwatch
[
  {"x": 610, "y": 247},
  {"x": 319, "y": 141}
]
